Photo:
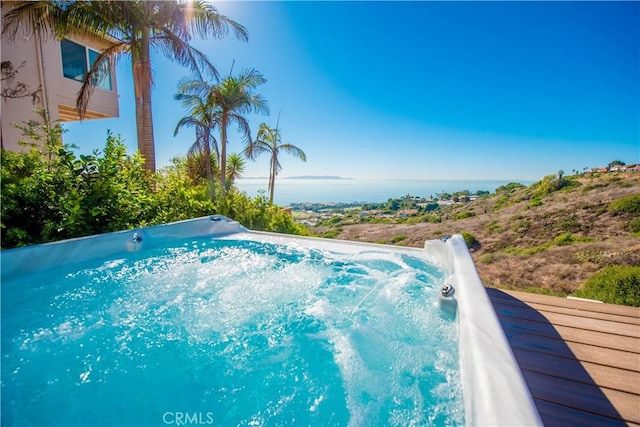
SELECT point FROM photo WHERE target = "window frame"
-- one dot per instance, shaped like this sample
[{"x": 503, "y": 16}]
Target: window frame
[{"x": 105, "y": 83}]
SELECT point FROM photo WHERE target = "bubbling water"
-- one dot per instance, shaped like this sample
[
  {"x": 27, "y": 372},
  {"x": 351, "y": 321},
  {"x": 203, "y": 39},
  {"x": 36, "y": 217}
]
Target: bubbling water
[{"x": 235, "y": 332}]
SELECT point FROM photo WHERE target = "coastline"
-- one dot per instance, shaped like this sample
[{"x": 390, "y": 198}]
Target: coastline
[{"x": 304, "y": 190}]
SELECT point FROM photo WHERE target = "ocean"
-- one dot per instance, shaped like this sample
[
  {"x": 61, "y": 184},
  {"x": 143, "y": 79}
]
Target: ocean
[{"x": 289, "y": 191}]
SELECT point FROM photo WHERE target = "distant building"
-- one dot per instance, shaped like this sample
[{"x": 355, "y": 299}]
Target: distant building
[
  {"x": 600, "y": 170},
  {"x": 56, "y": 68},
  {"x": 617, "y": 168}
]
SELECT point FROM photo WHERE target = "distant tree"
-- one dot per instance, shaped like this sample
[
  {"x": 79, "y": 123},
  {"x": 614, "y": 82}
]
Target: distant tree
[
  {"x": 268, "y": 141},
  {"x": 616, "y": 163},
  {"x": 392, "y": 205}
]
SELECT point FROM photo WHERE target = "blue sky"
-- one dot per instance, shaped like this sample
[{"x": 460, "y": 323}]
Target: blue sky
[{"x": 421, "y": 90}]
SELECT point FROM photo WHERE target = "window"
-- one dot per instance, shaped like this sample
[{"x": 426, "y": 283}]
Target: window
[{"x": 76, "y": 60}]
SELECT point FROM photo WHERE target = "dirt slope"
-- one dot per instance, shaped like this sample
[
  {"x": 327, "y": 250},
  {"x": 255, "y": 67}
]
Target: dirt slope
[{"x": 551, "y": 245}]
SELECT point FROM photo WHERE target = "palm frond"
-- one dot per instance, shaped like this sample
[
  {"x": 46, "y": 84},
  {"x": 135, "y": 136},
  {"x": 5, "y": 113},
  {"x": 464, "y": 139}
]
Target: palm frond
[
  {"x": 205, "y": 20},
  {"x": 179, "y": 50},
  {"x": 101, "y": 66},
  {"x": 29, "y": 17},
  {"x": 294, "y": 151}
]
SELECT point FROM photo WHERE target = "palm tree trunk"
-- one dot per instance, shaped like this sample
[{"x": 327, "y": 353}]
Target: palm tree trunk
[
  {"x": 272, "y": 176},
  {"x": 223, "y": 152},
  {"x": 207, "y": 164},
  {"x": 141, "y": 61}
]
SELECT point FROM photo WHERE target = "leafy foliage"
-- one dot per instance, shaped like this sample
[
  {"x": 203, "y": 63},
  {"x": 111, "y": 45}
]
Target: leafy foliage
[
  {"x": 54, "y": 194},
  {"x": 470, "y": 240},
  {"x": 625, "y": 205},
  {"x": 510, "y": 187},
  {"x": 615, "y": 285},
  {"x": 465, "y": 214}
]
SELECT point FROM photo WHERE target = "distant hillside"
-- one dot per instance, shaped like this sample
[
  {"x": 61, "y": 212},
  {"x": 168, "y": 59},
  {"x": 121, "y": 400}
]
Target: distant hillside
[{"x": 537, "y": 238}]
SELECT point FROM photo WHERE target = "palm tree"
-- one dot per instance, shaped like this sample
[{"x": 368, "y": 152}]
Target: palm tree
[
  {"x": 235, "y": 167},
  {"x": 200, "y": 116},
  {"x": 135, "y": 27},
  {"x": 228, "y": 102},
  {"x": 268, "y": 141}
]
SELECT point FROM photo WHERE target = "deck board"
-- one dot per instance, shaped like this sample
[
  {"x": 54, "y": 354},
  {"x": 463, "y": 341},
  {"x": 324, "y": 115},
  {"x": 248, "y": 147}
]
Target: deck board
[
  {"x": 580, "y": 360},
  {"x": 587, "y": 353}
]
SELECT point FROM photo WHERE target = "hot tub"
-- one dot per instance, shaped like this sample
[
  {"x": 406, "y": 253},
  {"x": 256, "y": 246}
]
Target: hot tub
[{"x": 206, "y": 322}]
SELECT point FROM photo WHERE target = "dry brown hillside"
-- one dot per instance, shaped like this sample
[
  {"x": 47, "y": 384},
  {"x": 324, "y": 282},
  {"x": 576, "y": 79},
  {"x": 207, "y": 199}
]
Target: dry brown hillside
[{"x": 550, "y": 243}]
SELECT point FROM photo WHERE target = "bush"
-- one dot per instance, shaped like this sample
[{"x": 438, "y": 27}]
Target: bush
[
  {"x": 525, "y": 252},
  {"x": 51, "y": 194},
  {"x": 465, "y": 214},
  {"x": 534, "y": 203},
  {"x": 470, "y": 240},
  {"x": 510, "y": 187},
  {"x": 397, "y": 238},
  {"x": 552, "y": 183},
  {"x": 488, "y": 258},
  {"x": 614, "y": 285},
  {"x": 625, "y": 205},
  {"x": 331, "y": 233},
  {"x": 564, "y": 239},
  {"x": 589, "y": 255},
  {"x": 493, "y": 227},
  {"x": 634, "y": 225}
]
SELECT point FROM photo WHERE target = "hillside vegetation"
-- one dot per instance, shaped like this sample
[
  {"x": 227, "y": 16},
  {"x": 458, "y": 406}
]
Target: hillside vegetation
[{"x": 550, "y": 237}]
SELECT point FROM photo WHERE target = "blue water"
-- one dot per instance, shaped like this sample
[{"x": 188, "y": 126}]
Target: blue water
[
  {"x": 228, "y": 332},
  {"x": 360, "y": 190}
]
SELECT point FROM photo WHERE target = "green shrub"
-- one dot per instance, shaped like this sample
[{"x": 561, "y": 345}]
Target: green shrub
[
  {"x": 589, "y": 255},
  {"x": 397, "y": 238},
  {"x": 521, "y": 226},
  {"x": 331, "y": 233},
  {"x": 51, "y": 194},
  {"x": 470, "y": 240},
  {"x": 502, "y": 202},
  {"x": 615, "y": 285},
  {"x": 465, "y": 214},
  {"x": 634, "y": 225},
  {"x": 625, "y": 205},
  {"x": 552, "y": 183},
  {"x": 493, "y": 227},
  {"x": 393, "y": 240},
  {"x": 534, "y": 203},
  {"x": 566, "y": 239},
  {"x": 488, "y": 258},
  {"x": 510, "y": 187}
]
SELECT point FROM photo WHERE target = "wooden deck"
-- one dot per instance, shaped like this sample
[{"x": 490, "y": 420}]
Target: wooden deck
[{"x": 580, "y": 360}]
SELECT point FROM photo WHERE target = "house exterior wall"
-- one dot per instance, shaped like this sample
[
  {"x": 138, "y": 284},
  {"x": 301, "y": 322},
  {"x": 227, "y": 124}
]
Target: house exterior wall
[{"x": 43, "y": 69}]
